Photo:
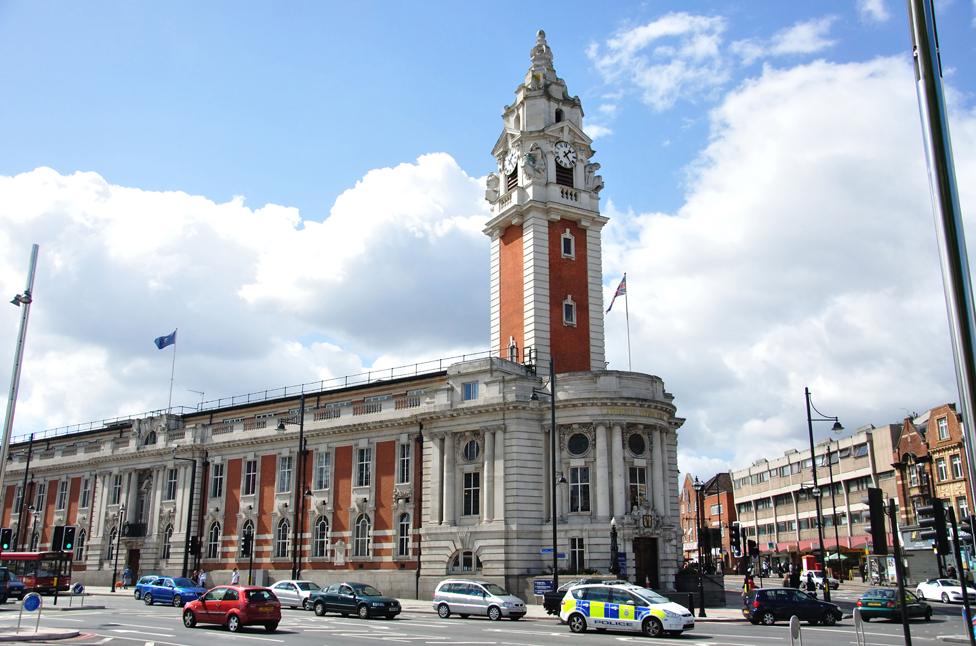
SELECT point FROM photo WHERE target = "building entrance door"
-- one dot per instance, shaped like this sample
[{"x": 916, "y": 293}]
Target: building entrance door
[
  {"x": 646, "y": 562},
  {"x": 133, "y": 562}
]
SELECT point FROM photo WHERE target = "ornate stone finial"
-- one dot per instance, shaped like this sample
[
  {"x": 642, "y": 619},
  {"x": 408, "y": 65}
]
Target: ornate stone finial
[{"x": 542, "y": 69}]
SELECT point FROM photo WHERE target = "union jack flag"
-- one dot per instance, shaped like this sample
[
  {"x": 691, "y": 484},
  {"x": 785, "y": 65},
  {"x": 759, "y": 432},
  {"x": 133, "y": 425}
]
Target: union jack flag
[{"x": 621, "y": 291}]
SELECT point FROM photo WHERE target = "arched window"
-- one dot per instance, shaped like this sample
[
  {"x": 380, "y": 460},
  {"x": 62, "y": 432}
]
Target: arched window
[
  {"x": 111, "y": 542},
  {"x": 167, "y": 539},
  {"x": 150, "y": 438},
  {"x": 213, "y": 542},
  {"x": 403, "y": 535},
  {"x": 80, "y": 546},
  {"x": 464, "y": 562},
  {"x": 247, "y": 528},
  {"x": 559, "y": 115},
  {"x": 361, "y": 540},
  {"x": 281, "y": 539},
  {"x": 320, "y": 541}
]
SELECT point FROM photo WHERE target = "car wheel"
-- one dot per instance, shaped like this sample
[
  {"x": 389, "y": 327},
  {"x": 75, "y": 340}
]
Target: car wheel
[
  {"x": 494, "y": 613},
  {"x": 652, "y": 627},
  {"x": 767, "y": 618},
  {"x": 273, "y": 626},
  {"x": 177, "y": 601},
  {"x": 443, "y": 611},
  {"x": 233, "y": 623},
  {"x": 945, "y": 597},
  {"x": 577, "y": 623},
  {"x": 189, "y": 619},
  {"x": 319, "y": 608},
  {"x": 135, "y": 595},
  {"x": 363, "y": 611},
  {"x": 928, "y": 615},
  {"x": 829, "y": 619},
  {"x": 147, "y": 599},
  {"x": 306, "y": 604}
]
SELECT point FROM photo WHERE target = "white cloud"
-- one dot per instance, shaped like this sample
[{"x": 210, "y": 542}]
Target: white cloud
[
  {"x": 804, "y": 255},
  {"x": 806, "y": 37},
  {"x": 595, "y": 131},
  {"x": 261, "y": 297},
  {"x": 675, "y": 57},
  {"x": 873, "y": 10}
]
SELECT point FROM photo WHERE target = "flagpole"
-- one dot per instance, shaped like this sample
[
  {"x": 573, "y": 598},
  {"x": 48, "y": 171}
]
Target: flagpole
[
  {"x": 172, "y": 372},
  {"x": 630, "y": 366}
]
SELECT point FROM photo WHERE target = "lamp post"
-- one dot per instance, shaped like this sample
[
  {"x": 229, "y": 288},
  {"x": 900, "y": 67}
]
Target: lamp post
[
  {"x": 23, "y": 494},
  {"x": 118, "y": 542},
  {"x": 35, "y": 513},
  {"x": 698, "y": 485},
  {"x": 813, "y": 467},
  {"x": 552, "y": 465},
  {"x": 833, "y": 514},
  {"x": 189, "y": 510},
  {"x": 614, "y": 549},
  {"x": 299, "y": 515}
]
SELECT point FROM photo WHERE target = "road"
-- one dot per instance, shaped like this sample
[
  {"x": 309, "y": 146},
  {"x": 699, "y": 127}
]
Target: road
[{"x": 126, "y": 621}]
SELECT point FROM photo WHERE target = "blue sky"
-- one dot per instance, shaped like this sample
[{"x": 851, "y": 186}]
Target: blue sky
[{"x": 299, "y": 187}]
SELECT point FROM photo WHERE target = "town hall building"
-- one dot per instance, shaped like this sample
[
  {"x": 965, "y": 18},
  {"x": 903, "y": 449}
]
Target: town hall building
[{"x": 401, "y": 478}]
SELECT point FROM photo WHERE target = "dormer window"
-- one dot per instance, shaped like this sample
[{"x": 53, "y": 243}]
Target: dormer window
[
  {"x": 559, "y": 115},
  {"x": 568, "y": 245},
  {"x": 569, "y": 312}
]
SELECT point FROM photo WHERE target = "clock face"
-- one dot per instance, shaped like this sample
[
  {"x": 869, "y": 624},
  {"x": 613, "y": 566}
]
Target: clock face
[
  {"x": 511, "y": 161},
  {"x": 565, "y": 154}
]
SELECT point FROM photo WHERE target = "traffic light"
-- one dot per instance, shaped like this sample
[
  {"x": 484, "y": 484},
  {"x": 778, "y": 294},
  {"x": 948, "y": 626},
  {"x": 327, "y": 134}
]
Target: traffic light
[
  {"x": 247, "y": 543},
  {"x": 6, "y": 538},
  {"x": 68, "y": 542},
  {"x": 753, "y": 547},
  {"x": 932, "y": 518},
  {"x": 735, "y": 539},
  {"x": 57, "y": 539},
  {"x": 195, "y": 545},
  {"x": 966, "y": 525},
  {"x": 878, "y": 530}
]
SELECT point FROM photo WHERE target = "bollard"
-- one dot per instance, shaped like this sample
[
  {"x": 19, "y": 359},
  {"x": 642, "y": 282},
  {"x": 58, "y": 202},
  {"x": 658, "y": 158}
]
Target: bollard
[{"x": 691, "y": 602}]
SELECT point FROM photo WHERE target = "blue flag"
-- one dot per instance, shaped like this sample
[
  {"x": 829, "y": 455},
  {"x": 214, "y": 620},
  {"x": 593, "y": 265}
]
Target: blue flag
[{"x": 163, "y": 341}]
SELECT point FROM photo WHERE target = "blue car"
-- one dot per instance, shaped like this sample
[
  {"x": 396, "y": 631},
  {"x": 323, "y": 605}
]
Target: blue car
[
  {"x": 175, "y": 591},
  {"x": 15, "y": 587},
  {"x": 143, "y": 583}
]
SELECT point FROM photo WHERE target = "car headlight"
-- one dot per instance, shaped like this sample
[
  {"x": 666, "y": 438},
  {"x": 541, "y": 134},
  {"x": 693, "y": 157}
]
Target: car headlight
[
  {"x": 671, "y": 615},
  {"x": 508, "y": 604}
]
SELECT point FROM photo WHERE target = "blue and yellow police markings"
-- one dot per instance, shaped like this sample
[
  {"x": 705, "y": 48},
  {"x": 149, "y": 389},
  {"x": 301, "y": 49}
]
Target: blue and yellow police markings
[{"x": 603, "y": 610}]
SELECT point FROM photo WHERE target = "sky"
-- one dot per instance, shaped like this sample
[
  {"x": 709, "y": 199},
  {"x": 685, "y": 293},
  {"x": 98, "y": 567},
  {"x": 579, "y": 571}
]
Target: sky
[{"x": 299, "y": 189}]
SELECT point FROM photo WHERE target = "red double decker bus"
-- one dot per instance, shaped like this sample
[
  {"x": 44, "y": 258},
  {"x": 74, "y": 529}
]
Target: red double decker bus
[{"x": 39, "y": 570}]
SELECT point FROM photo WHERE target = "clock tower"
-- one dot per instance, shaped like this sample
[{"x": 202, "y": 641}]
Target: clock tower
[{"x": 546, "y": 268}]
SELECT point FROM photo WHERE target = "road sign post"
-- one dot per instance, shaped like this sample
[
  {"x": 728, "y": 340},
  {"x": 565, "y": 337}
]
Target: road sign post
[{"x": 32, "y": 603}]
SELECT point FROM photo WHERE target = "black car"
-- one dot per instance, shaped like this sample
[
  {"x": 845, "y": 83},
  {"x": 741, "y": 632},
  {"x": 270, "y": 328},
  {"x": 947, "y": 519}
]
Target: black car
[
  {"x": 552, "y": 601},
  {"x": 354, "y": 599},
  {"x": 768, "y": 605}
]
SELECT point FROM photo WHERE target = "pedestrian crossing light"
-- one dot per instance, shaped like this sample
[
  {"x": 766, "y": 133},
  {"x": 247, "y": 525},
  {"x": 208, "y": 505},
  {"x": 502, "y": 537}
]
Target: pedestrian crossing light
[{"x": 932, "y": 520}]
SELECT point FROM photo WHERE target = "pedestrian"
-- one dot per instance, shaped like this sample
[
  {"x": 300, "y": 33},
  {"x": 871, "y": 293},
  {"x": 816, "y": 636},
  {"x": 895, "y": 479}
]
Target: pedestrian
[
  {"x": 951, "y": 572},
  {"x": 864, "y": 572},
  {"x": 235, "y": 577},
  {"x": 811, "y": 585},
  {"x": 202, "y": 578},
  {"x": 194, "y": 577},
  {"x": 126, "y": 578}
]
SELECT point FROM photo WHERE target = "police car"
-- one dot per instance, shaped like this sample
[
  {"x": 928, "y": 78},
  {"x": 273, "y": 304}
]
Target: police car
[{"x": 623, "y": 607}]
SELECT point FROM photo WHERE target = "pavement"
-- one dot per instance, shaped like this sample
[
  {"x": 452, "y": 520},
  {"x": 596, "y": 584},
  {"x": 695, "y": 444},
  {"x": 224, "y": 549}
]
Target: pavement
[
  {"x": 533, "y": 611},
  {"x": 28, "y": 634}
]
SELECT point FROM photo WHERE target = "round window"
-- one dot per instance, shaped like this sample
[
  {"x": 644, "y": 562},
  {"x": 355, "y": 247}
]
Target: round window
[
  {"x": 472, "y": 450},
  {"x": 636, "y": 444},
  {"x": 578, "y": 444}
]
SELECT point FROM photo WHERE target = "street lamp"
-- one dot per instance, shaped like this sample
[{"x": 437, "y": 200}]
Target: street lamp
[
  {"x": 33, "y": 535},
  {"x": 614, "y": 549},
  {"x": 118, "y": 542},
  {"x": 189, "y": 510},
  {"x": 813, "y": 467},
  {"x": 552, "y": 464},
  {"x": 23, "y": 494},
  {"x": 300, "y": 493},
  {"x": 698, "y": 486},
  {"x": 833, "y": 512}
]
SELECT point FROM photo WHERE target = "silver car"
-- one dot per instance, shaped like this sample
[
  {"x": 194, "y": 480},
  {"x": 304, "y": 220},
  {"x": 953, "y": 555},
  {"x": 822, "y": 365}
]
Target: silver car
[
  {"x": 295, "y": 593},
  {"x": 464, "y": 597}
]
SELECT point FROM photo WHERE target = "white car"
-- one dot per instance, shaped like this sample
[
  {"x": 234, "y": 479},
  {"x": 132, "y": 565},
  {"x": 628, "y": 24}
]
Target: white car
[
  {"x": 623, "y": 607},
  {"x": 945, "y": 590},
  {"x": 295, "y": 593},
  {"x": 818, "y": 579}
]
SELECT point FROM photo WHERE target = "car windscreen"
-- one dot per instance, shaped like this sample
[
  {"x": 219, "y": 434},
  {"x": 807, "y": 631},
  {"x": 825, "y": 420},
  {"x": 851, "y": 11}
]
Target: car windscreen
[
  {"x": 308, "y": 585},
  {"x": 949, "y": 582},
  {"x": 368, "y": 591},
  {"x": 652, "y": 596},
  {"x": 496, "y": 590},
  {"x": 180, "y": 582},
  {"x": 259, "y": 596}
]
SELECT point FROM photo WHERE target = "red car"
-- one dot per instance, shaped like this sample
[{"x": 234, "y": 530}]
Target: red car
[{"x": 235, "y": 606}]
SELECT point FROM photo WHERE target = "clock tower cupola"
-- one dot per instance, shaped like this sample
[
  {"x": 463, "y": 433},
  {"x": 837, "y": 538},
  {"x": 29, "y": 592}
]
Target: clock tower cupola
[{"x": 546, "y": 267}]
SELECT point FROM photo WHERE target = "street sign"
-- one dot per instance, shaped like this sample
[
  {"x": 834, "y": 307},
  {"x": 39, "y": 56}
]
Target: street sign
[
  {"x": 78, "y": 588},
  {"x": 542, "y": 586},
  {"x": 32, "y": 602},
  {"x": 545, "y": 550},
  {"x": 622, "y": 563}
]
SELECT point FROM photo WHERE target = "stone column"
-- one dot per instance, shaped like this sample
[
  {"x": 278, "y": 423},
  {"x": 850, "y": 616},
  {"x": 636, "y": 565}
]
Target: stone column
[
  {"x": 488, "y": 470},
  {"x": 436, "y": 480},
  {"x": 657, "y": 472},
  {"x": 602, "y": 479},
  {"x": 131, "y": 495},
  {"x": 498, "y": 491},
  {"x": 152, "y": 516},
  {"x": 98, "y": 504},
  {"x": 450, "y": 479},
  {"x": 617, "y": 469}
]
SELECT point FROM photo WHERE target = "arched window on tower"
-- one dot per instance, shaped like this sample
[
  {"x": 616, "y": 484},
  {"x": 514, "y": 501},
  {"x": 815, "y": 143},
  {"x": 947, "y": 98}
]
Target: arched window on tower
[
  {"x": 361, "y": 539},
  {"x": 320, "y": 541},
  {"x": 167, "y": 539},
  {"x": 569, "y": 312},
  {"x": 281, "y": 539},
  {"x": 559, "y": 115},
  {"x": 568, "y": 244},
  {"x": 403, "y": 535},
  {"x": 213, "y": 542},
  {"x": 80, "y": 546}
]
